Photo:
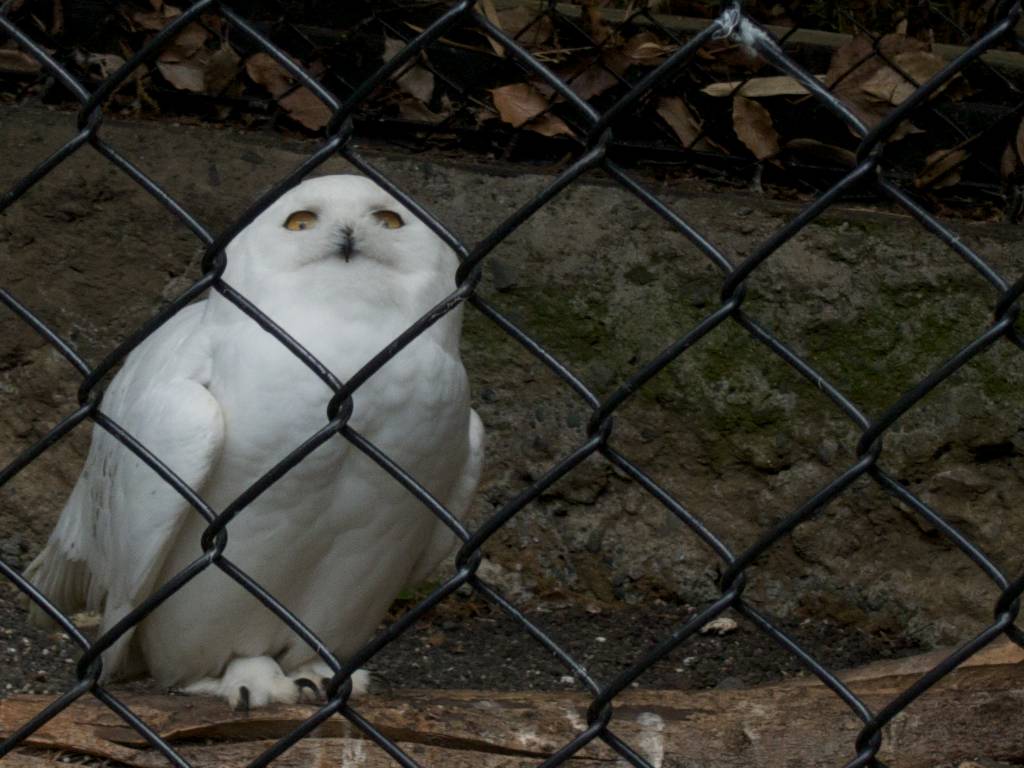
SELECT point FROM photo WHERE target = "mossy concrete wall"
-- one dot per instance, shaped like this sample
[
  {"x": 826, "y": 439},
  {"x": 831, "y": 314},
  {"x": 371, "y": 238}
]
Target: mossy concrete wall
[{"x": 736, "y": 435}]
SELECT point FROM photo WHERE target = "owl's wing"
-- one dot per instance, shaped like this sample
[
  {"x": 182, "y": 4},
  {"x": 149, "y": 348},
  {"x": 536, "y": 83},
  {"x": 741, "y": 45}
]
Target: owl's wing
[
  {"x": 442, "y": 541},
  {"x": 122, "y": 519}
]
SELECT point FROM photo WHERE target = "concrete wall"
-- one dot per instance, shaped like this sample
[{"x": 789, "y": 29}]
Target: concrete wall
[{"x": 736, "y": 435}]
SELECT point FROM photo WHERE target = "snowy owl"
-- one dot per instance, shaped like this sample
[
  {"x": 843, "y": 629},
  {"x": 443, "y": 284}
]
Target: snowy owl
[{"x": 344, "y": 269}]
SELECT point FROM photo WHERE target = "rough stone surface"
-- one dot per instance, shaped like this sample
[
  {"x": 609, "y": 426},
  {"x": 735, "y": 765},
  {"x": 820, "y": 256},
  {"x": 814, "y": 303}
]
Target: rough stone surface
[{"x": 736, "y": 435}]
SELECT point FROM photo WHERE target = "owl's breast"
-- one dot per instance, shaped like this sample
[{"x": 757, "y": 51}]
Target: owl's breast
[{"x": 414, "y": 408}]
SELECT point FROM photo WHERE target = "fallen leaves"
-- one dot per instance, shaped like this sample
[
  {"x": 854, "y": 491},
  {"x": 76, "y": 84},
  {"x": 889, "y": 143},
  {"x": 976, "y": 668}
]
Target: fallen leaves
[
  {"x": 99, "y": 65},
  {"x": 759, "y": 87},
  {"x": 221, "y": 69},
  {"x": 897, "y": 85},
  {"x": 16, "y": 61},
  {"x": 870, "y": 86},
  {"x": 681, "y": 119},
  {"x": 301, "y": 104},
  {"x": 754, "y": 127},
  {"x": 724, "y": 103},
  {"x": 183, "y": 63},
  {"x": 647, "y": 49},
  {"x": 941, "y": 169},
  {"x": 415, "y": 80},
  {"x": 1019, "y": 142},
  {"x": 264, "y": 70},
  {"x": 812, "y": 150},
  {"x": 518, "y": 103},
  {"x": 523, "y": 106},
  {"x": 156, "y": 19},
  {"x": 529, "y": 28}
]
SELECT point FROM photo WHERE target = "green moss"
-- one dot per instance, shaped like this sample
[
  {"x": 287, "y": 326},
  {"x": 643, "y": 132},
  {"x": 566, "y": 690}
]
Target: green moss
[{"x": 729, "y": 384}]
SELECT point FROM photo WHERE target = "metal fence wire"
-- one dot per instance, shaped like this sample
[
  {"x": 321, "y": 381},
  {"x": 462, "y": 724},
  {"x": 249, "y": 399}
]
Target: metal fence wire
[{"x": 596, "y": 130}]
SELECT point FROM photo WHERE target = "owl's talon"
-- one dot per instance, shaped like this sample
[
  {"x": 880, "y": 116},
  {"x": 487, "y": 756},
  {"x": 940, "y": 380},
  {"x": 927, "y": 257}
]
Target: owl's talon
[
  {"x": 243, "y": 699},
  {"x": 305, "y": 684}
]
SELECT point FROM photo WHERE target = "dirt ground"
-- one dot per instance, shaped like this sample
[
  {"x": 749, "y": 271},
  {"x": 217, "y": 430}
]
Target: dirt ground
[{"x": 469, "y": 644}]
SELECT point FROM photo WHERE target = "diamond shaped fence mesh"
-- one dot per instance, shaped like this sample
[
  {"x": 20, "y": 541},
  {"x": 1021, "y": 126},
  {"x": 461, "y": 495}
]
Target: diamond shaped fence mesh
[{"x": 595, "y": 127}]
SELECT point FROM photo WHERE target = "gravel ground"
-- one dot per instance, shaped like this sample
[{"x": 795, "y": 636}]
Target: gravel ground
[{"x": 467, "y": 643}]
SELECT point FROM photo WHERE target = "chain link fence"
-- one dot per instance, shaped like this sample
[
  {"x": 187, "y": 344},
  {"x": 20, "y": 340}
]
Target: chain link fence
[{"x": 595, "y": 129}]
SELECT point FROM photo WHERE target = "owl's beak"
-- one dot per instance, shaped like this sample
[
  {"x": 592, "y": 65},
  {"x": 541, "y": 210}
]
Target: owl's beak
[{"x": 347, "y": 244}]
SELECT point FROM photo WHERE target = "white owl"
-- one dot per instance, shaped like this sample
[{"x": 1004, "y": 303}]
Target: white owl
[{"x": 344, "y": 269}]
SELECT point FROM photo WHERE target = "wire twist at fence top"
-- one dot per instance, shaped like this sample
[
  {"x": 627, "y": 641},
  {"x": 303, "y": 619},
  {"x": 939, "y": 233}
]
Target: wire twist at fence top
[{"x": 596, "y": 129}]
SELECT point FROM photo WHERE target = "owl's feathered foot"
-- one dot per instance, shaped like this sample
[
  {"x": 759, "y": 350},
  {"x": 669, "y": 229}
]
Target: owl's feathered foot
[{"x": 251, "y": 682}]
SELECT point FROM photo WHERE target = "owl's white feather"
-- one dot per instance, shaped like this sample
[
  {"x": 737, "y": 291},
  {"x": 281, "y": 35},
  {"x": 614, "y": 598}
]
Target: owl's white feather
[{"x": 220, "y": 401}]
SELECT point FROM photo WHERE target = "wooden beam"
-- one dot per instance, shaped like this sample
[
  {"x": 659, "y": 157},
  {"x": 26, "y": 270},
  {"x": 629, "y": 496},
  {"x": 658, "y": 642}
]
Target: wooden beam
[
  {"x": 970, "y": 714},
  {"x": 809, "y": 37}
]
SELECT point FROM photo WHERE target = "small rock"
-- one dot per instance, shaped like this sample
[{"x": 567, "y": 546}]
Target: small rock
[{"x": 723, "y": 625}]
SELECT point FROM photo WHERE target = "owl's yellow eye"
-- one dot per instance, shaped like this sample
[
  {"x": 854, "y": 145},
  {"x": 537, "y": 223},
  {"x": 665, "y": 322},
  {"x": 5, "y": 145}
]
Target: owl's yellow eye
[
  {"x": 389, "y": 219},
  {"x": 300, "y": 220}
]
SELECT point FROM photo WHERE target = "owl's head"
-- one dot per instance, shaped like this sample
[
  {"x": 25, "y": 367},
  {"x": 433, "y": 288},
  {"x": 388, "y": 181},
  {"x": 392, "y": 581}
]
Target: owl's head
[{"x": 340, "y": 222}]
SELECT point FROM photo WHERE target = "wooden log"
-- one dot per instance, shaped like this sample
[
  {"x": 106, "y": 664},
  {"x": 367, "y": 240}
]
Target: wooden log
[{"x": 975, "y": 712}]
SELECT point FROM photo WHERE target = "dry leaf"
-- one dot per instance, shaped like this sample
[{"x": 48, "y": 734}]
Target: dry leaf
[
  {"x": 263, "y": 70},
  {"x": 183, "y": 63},
  {"x": 417, "y": 112},
  {"x": 680, "y": 118},
  {"x": 593, "y": 22},
  {"x": 590, "y": 82},
  {"x": 890, "y": 85},
  {"x": 416, "y": 81},
  {"x": 99, "y": 65},
  {"x": 593, "y": 79},
  {"x": 1019, "y": 144},
  {"x": 188, "y": 75},
  {"x": 215, "y": 23},
  {"x": 304, "y": 107},
  {"x": 855, "y": 62},
  {"x": 646, "y": 48},
  {"x": 518, "y": 103},
  {"x": 1009, "y": 162},
  {"x": 760, "y": 87},
  {"x": 157, "y": 19},
  {"x": 57, "y": 27},
  {"x": 754, "y": 127},
  {"x": 221, "y": 70},
  {"x": 942, "y": 169},
  {"x": 187, "y": 43},
  {"x": 528, "y": 27},
  {"x": 549, "y": 125},
  {"x": 16, "y": 60},
  {"x": 492, "y": 16},
  {"x": 812, "y": 149}
]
